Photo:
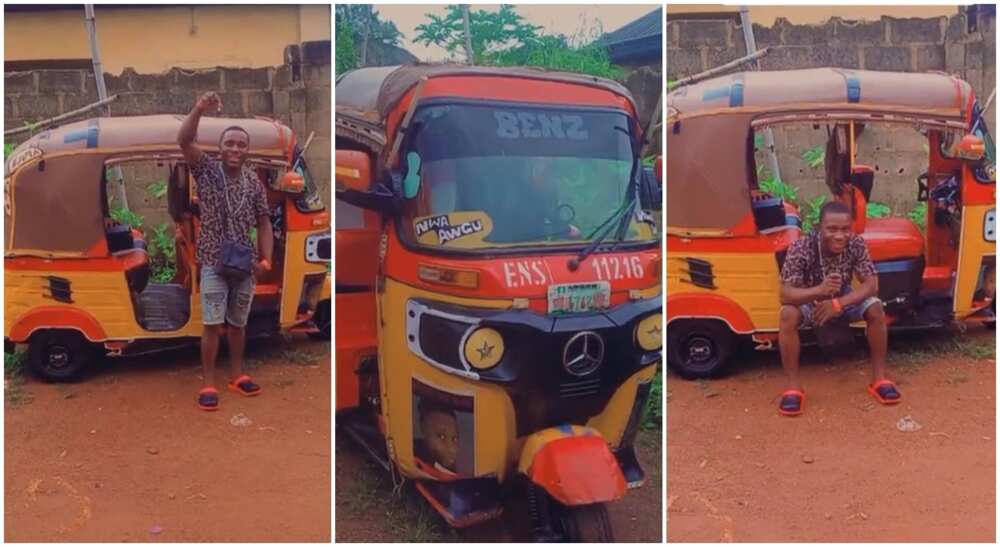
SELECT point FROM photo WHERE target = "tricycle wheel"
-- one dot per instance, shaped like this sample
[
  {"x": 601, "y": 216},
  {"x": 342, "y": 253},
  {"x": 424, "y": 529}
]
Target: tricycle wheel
[
  {"x": 585, "y": 523},
  {"x": 322, "y": 319},
  {"x": 698, "y": 348},
  {"x": 59, "y": 355}
]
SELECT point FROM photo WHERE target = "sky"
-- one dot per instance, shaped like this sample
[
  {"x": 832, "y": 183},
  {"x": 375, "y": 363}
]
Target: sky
[{"x": 554, "y": 19}]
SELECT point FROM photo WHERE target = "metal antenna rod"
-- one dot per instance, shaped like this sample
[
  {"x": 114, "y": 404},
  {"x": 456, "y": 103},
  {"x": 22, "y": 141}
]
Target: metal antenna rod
[{"x": 102, "y": 94}]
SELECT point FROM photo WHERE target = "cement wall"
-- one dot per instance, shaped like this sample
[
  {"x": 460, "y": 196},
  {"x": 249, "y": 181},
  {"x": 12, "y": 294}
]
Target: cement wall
[
  {"x": 296, "y": 93},
  {"x": 152, "y": 39},
  {"x": 892, "y": 44},
  {"x": 646, "y": 85}
]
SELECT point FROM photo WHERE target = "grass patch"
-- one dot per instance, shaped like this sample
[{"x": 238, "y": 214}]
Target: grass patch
[
  {"x": 299, "y": 356},
  {"x": 406, "y": 516},
  {"x": 912, "y": 353},
  {"x": 912, "y": 358},
  {"x": 653, "y": 418},
  {"x": 975, "y": 348},
  {"x": 14, "y": 393}
]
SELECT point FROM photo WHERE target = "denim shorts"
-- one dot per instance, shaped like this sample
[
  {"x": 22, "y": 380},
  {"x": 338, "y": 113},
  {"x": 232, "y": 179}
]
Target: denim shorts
[
  {"x": 852, "y": 313},
  {"x": 224, "y": 301}
]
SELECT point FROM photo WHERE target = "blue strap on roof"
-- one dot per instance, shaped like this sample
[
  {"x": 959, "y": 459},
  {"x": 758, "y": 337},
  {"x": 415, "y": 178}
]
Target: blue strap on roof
[
  {"x": 89, "y": 134},
  {"x": 736, "y": 94},
  {"x": 717, "y": 93},
  {"x": 733, "y": 91},
  {"x": 853, "y": 87}
]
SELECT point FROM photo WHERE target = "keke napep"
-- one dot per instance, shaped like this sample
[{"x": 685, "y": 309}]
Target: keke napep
[
  {"x": 727, "y": 234},
  {"x": 78, "y": 283},
  {"x": 498, "y": 291}
]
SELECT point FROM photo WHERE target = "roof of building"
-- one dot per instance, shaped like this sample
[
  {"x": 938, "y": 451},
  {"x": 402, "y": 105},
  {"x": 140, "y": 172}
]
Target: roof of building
[{"x": 637, "y": 42}]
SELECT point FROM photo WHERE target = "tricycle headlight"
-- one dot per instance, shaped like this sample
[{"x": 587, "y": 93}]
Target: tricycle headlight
[
  {"x": 648, "y": 332},
  {"x": 483, "y": 348}
]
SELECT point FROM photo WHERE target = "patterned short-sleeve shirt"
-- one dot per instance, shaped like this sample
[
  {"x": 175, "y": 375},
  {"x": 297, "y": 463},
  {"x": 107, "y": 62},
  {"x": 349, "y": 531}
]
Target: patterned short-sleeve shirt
[
  {"x": 247, "y": 203},
  {"x": 804, "y": 267}
]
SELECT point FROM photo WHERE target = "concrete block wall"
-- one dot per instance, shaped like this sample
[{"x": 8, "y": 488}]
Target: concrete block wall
[
  {"x": 646, "y": 84},
  {"x": 296, "y": 93},
  {"x": 891, "y": 44}
]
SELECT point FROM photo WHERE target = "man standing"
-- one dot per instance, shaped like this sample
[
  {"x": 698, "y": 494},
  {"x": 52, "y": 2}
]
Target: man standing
[
  {"x": 231, "y": 201},
  {"x": 816, "y": 291}
]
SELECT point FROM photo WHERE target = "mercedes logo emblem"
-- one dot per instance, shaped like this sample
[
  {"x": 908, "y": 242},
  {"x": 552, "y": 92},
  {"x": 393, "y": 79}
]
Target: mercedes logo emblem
[{"x": 583, "y": 353}]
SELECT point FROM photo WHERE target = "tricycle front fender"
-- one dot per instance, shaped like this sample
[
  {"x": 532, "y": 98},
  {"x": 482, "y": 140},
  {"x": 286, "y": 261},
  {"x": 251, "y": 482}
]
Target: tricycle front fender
[{"x": 573, "y": 464}]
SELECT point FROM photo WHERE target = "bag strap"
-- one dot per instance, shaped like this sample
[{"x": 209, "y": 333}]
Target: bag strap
[{"x": 225, "y": 194}]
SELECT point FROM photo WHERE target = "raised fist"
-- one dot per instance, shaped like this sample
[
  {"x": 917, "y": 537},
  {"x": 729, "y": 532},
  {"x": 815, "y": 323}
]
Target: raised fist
[{"x": 209, "y": 102}]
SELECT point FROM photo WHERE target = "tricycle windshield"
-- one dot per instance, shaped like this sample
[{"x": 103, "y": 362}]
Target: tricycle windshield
[
  {"x": 980, "y": 129},
  {"x": 310, "y": 199},
  {"x": 494, "y": 176}
]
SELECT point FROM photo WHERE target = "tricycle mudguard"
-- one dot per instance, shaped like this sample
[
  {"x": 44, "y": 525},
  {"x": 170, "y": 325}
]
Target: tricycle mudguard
[{"x": 573, "y": 464}]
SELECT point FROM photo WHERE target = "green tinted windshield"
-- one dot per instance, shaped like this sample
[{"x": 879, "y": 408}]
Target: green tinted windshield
[{"x": 491, "y": 176}]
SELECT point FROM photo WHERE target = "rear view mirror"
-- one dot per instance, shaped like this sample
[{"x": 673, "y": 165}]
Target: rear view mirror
[
  {"x": 971, "y": 147},
  {"x": 292, "y": 182},
  {"x": 353, "y": 177},
  {"x": 353, "y": 171}
]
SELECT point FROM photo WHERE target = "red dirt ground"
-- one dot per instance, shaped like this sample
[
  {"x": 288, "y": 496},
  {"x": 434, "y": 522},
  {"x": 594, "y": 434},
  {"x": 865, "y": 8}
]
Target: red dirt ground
[
  {"x": 842, "y": 471},
  {"x": 126, "y": 452}
]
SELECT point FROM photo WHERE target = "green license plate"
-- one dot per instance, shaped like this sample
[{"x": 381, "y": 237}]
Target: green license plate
[{"x": 579, "y": 297}]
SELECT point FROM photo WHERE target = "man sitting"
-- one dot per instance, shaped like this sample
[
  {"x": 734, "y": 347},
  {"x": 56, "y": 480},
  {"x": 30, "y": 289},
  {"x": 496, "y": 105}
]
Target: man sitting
[{"x": 816, "y": 290}]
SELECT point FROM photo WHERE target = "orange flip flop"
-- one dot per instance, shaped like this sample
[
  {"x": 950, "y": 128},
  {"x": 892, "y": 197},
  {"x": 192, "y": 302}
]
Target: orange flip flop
[
  {"x": 245, "y": 386},
  {"x": 873, "y": 388},
  {"x": 789, "y": 410},
  {"x": 208, "y": 399}
]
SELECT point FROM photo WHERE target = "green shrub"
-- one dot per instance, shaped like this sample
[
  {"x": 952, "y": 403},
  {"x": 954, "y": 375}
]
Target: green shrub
[
  {"x": 157, "y": 189},
  {"x": 810, "y": 212},
  {"x": 919, "y": 215},
  {"x": 127, "y": 216},
  {"x": 878, "y": 210},
  {"x": 653, "y": 417},
  {"x": 162, "y": 254},
  {"x": 780, "y": 189},
  {"x": 815, "y": 156}
]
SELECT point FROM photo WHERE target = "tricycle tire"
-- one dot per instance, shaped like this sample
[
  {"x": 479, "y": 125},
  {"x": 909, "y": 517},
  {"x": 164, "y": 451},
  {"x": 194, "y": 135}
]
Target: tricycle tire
[
  {"x": 699, "y": 348},
  {"x": 585, "y": 523},
  {"x": 59, "y": 355}
]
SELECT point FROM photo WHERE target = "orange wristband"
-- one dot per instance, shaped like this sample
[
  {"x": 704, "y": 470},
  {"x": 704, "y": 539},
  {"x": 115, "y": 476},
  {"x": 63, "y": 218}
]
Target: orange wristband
[{"x": 837, "y": 306}]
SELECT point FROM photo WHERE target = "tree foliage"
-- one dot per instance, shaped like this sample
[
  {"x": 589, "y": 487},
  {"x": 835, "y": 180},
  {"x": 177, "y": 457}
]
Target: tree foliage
[
  {"x": 345, "y": 54},
  {"x": 504, "y": 38},
  {"x": 356, "y": 17},
  {"x": 352, "y": 21},
  {"x": 492, "y": 31}
]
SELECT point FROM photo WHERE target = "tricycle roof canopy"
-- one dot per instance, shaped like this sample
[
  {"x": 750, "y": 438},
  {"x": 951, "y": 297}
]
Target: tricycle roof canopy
[
  {"x": 371, "y": 93},
  {"x": 139, "y": 133},
  {"x": 709, "y": 138},
  {"x": 934, "y": 94},
  {"x": 57, "y": 175}
]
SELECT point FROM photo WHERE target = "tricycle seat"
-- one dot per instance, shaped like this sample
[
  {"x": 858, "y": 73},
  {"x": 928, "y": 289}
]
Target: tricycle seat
[{"x": 893, "y": 238}]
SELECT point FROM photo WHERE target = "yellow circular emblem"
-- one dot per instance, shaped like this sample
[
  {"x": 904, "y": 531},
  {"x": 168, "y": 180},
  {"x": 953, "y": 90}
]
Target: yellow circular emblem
[
  {"x": 648, "y": 332},
  {"x": 483, "y": 348}
]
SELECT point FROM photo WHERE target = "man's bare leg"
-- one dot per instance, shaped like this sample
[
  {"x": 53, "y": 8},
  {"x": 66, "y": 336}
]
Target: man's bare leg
[
  {"x": 878, "y": 339},
  {"x": 209, "y": 351},
  {"x": 790, "y": 345},
  {"x": 236, "y": 336}
]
